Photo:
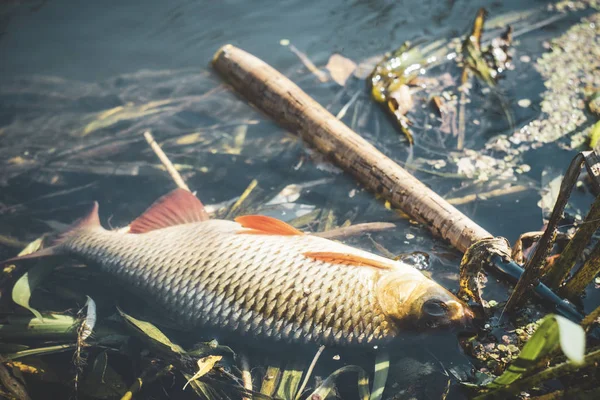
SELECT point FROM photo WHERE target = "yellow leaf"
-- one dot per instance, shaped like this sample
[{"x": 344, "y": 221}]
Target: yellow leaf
[
  {"x": 189, "y": 139},
  {"x": 205, "y": 364}
]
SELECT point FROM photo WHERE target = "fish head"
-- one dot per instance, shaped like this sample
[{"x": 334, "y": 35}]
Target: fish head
[{"x": 412, "y": 299}]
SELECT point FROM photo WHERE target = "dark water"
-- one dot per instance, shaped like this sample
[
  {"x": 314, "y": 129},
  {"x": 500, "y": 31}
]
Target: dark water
[{"x": 64, "y": 63}]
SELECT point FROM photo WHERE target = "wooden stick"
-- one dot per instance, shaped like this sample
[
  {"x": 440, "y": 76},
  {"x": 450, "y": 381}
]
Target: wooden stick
[
  {"x": 165, "y": 161},
  {"x": 291, "y": 107}
]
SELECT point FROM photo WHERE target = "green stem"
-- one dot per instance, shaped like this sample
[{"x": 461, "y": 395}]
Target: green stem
[{"x": 547, "y": 374}]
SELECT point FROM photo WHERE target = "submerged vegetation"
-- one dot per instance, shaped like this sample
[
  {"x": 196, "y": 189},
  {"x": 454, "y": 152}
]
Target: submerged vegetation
[{"x": 65, "y": 330}]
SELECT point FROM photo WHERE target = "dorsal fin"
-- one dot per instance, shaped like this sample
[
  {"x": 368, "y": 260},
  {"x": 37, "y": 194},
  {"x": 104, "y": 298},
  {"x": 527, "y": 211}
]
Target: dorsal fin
[
  {"x": 348, "y": 259},
  {"x": 263, "y": 225},
  {"x": 90, "y": 220},
  {"x": 175, "y": 208}
]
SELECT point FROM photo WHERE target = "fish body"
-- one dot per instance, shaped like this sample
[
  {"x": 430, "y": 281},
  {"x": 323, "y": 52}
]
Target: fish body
[{"x": 277, "y": 283}]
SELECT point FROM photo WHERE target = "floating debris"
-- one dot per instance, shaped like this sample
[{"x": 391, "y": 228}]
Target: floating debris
[{"x": 340, "y": 68}]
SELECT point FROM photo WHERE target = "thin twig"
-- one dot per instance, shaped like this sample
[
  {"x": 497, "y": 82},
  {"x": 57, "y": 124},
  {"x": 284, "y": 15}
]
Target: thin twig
[
  {"x": 322, "y": 76},
  {"x": 246, "y": 376},
  {"x": 309, "y": 371},
  {"x": 487, "y": 195},
  {"x": 166, "y": 162}
]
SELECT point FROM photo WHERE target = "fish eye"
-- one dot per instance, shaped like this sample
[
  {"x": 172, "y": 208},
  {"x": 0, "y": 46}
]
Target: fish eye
[{"x": 435, "y": 308}]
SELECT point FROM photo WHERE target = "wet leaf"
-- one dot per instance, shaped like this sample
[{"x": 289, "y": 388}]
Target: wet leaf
[
  {"x": 21, "y": 293},
  {"x": 103, "y": 381},
  {"x": 14, "y": 385},
  {"x": 340, "y": 68},
  {"x": 270, "y": 380},
  {"x": 38, "y": 352},
  {"x": 202, "y": 389},
  {"x": 289, "y": 383},
  {"x": 151, "y": 332},
  {"x": 128, "y": 112},
  {"x": 89, "y": 322},
  {"x": 42, "y": 370},
  {"x": 328, "y": 384},
  {"x": 554, "y": 331},
  {"x": 49, "y": 326},
  {"x": 382, "y": 367},
  {"x": 400, "y": 100},
  {"x": 205, "y": 364}
]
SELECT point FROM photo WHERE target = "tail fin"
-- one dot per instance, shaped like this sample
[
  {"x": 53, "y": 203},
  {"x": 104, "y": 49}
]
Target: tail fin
[{"x": 91, "y": 220}]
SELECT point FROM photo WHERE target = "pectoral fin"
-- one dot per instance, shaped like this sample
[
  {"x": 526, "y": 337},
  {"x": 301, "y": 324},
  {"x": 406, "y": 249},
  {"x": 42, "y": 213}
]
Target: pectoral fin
[
  {"x": 348, "y": 259},
  {"x": 263, "y": 225}
]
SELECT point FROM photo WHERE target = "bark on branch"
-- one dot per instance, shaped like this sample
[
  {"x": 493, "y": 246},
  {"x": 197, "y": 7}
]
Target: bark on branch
[{"x": 285, "y": 102}]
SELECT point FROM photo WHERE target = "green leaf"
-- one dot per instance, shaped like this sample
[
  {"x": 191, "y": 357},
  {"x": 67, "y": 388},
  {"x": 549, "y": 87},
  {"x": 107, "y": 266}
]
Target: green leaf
[
  {"x": 382, "y": 367},
  {"x": 328, "y": 384},
  {"x": 290, "y": 381},
  {"x": 151, "y": 332},
  {"x": 270, "y": 380},
  {"x": 55, "y": 326},
  {"x": 103, "y": 381},
  {"x": 21, "y": 293},
  {"x": 572, "y": 339},
  {"x": 554, "y": 331},
  {"x": 38, "y": 352}
]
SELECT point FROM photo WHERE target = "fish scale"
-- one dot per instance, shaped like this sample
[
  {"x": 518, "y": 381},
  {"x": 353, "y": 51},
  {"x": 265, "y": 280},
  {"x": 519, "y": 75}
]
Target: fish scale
[{"x": 244, "y": 282}]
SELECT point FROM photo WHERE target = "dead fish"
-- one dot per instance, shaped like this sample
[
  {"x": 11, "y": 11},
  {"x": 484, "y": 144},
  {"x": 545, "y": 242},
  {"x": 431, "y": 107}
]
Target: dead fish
[{"x": 260, "y": 277}]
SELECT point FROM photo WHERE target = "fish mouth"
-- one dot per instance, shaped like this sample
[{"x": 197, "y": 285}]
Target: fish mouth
[
  {"x": 470, "y": 323},
  {"x": 439, "y": 308}
]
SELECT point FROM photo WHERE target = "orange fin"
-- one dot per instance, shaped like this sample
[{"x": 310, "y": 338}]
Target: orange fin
[
  {"x": 348, "y": 259},
  {"x": 175, "y": 208},
  {"x": 263, "y": 225}
]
